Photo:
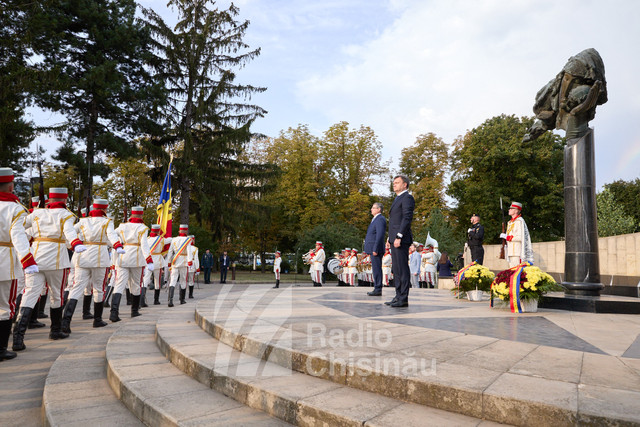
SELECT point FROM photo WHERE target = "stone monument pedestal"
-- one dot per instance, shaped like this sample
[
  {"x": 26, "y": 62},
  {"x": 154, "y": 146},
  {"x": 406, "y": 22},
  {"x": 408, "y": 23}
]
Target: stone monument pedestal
[{"x": 581, "y": 263}]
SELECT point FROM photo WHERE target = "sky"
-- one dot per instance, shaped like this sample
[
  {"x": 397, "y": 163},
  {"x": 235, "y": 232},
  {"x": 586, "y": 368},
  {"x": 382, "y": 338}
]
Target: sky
[{"x": 410, "y": 67}]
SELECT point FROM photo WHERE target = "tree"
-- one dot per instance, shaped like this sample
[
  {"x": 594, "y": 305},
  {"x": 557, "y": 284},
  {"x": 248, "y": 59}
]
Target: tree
[
  {"x": 15, "y": 132},
  {"x": 94, "y": 72},
  {"x": 129, "y": 184},
  {"x": 627, "y": 195},
  {"x": 208, "y": 116},
  {"x": 491, "y": 161},
  {"x": 441, "y": 230},
  {"x": 612, "y": 218},
  {"x": 425, "y": 163},
  {"x": 335, "y": 235}
]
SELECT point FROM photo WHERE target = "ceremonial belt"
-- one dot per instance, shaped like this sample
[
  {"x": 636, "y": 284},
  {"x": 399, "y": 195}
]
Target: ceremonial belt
[
  {"x": 6, "y": 244},
  {"x": 156, "y": 253},
  {"x": 47, "y": 239},
  {"x": 132, "y": 244},
  {"x": 95, "y": 243}
]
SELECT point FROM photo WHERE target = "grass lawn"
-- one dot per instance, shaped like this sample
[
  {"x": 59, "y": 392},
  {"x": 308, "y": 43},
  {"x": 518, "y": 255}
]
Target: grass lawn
[{"x": 259, "y": 277}]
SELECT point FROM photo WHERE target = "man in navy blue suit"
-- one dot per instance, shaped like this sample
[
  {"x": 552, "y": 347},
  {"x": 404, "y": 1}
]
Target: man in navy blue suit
[
  {"x": 400, "y": 237},
  {"x": 374, "y": 246}
]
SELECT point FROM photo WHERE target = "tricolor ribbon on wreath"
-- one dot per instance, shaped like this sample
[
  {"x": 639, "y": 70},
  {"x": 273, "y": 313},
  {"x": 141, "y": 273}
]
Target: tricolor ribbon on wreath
[{"x": 460, "y": 276}]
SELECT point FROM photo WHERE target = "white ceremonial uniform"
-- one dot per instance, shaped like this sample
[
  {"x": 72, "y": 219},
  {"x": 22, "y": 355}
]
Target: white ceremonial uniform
[
  {"x": 386, "y": 268},
  {"x": 53, "y": 230},
  {"x": 178, "y": 259},
  {"x": 518, "y": 242},
  {"x": 429, "y": 261},
  {"x": 92, "y": 266},
  {"x": 318, "y": 265},
  {"x": 159, "y": 262},
  {"x": 130, "y": 266},
  {"x": 352, "y": 269},
  {"x": 276, "y": 267},
  {"x": 194, "y": 267},
  {"x": 15, "y": 254}
]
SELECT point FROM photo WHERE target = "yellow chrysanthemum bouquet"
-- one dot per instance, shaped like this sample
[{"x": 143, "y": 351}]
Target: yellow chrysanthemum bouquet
[
  {"x": 472, "y": 277},
  {"x": 526, "y": 282}
]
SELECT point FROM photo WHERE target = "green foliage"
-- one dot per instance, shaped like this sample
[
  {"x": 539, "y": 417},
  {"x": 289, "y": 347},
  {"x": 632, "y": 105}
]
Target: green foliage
[
  {"x": 441, "y": 230},
  {"x": 627, "y": 195},
  {"x": 491, "y": 161},
  {"x": 15, "y": 132},
  {"x": 612, "y": 218},
  {"x": 94, "y": 72},
  {"x": 334, "y": 234},
  {"x": 425, "y": 163},
  {"x": 208, "y": 115}
]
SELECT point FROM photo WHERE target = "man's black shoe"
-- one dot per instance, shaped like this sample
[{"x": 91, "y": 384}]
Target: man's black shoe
[
  {"x": 400, "y": 304},
  {"x": 374, "y": 294},
  {"x": 393, "y": 301}
]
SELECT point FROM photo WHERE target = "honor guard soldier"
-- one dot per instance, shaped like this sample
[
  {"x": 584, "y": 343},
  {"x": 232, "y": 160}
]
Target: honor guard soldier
[
  {"x": 156, "y": 245},
  {"x": 112, "y": 278},
  {"x": 318, "y": 264},
  {"x": 178, "y": 262},
  {"x": 194, "y": 265},
  {"x": 92, "y": 266},
  {"x": 352, "y": 267},
  {"x": 519, "y": 247},
  {"x": 38, "y": 309},
  {"x": 475, "y": 237},
  {"x": 430, "y": 259},
  {"x": 52, "y": 230},
  {"x": 130, "y": 266},
  {"x": 276, "y": 269},
  {"x": 386, "y": 265},
  {"x": 16, "y": 258}
]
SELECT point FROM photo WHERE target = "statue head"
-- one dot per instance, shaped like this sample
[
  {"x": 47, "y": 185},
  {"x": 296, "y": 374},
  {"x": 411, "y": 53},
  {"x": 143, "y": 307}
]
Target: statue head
[{"x": 569, "y": 100}]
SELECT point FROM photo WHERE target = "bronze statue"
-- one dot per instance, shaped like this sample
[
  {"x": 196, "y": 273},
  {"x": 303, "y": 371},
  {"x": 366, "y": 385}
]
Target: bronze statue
[{"x": 569, "y": 100}]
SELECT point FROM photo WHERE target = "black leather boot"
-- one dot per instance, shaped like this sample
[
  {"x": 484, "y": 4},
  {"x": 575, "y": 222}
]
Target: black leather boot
[
  {"x": 172, "y": 290},
  {"x": 18, "y": 302},
  {"x": 135, "y": 305},
  {"x": 277, "y": 284},
  {"x": 20, "y": 328},
  {"x": 5, "y": 330},
  {"x": 190, "y": 291},
  {"x": 156, "y": 297},
  {"x": 56, "y": 324},
  {"x": 65, "y": 298},
  {"x": 183, "y": 294},
  {"x": 33, "y": 319},
  {"x": 107, "y": 296},
  {"x": 97, "y": 318},
  {"x": 143, "y": 297},
  {"x": 128, "y": 293},
  {"x": 69, "y": 309},
  {"x": 86, "y": 307},
  {"x": 41, "y": 304},
  {"x": 115, "y": 307}
]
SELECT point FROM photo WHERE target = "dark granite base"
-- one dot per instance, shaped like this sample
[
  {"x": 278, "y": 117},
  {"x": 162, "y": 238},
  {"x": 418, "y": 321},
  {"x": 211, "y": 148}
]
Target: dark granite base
[{"x": 587, "y": 304}]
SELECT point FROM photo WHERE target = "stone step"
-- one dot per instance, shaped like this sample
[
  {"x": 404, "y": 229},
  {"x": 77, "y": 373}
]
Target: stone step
[
  {"x": 158, "y": 393},
  {"x": 76, "y": 390},
  {"x": 291, "y": 396},
  {"x": 481, "y": 377}
]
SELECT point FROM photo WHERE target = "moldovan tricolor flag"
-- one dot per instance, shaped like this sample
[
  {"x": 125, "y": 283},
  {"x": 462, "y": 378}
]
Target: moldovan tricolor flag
[{"x": 164, "y": 205}]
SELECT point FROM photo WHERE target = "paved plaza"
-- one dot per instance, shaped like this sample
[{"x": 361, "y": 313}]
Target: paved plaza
[{"x": 252, "y": 355}]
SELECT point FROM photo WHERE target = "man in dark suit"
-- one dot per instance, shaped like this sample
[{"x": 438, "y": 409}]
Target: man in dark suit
[
  {"x": 225, "y": 263},
  {"x": 400, "y": 237},
  {"x": 374, "y": 246}
]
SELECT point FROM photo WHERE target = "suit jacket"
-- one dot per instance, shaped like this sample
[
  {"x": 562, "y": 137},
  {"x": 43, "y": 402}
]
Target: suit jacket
[
  {"x": 225, "y": 263},
  {"x": 207, "y": 260},
  {"x": 374, "y": 241},
  {"x": 400, "y": 217}
]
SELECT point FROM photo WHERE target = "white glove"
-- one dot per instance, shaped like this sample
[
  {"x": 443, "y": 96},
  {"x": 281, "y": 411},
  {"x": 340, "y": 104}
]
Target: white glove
[
  {"x": 79, "y": 249},
  {"x": 120, "y": 251},
  {"x": 31, "y": 269},
  {"x": 503, "y": 236},
  {"x": 150, "y": 266},
  {"x": 470, "y": 230}
]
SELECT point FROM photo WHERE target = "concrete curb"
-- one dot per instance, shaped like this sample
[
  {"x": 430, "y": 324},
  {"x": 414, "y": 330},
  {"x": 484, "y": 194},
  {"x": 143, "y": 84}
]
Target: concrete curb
[
  {"x": 501, "y": 396},
  {"x": 76, "y": 390},
  {"x": 161, "y": 395},
  {"x": 294, "y": 397}
]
